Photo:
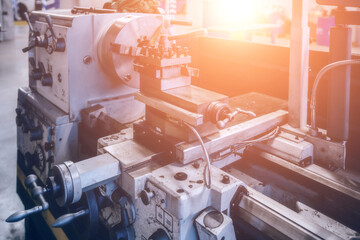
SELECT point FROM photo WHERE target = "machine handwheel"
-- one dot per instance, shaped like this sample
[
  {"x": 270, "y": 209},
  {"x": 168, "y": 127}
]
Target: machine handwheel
[{"x": 87, "y": 225}]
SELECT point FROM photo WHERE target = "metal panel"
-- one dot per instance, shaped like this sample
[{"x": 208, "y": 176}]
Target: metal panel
[
  {"x": 279, "y": 220},
  {"x": 188, "y": 152}
]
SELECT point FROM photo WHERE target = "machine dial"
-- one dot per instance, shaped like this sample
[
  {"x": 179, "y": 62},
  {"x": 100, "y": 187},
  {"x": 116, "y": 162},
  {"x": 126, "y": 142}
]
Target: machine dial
[{"x": 40, "y": 157}]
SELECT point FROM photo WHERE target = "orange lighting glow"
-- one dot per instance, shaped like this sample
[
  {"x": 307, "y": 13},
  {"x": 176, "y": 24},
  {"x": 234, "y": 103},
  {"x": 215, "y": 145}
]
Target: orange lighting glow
[{"x": 235, "y": 13}]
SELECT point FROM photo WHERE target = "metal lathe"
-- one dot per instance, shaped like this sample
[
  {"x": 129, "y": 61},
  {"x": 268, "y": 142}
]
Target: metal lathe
[{"x": 129, "y": 131}]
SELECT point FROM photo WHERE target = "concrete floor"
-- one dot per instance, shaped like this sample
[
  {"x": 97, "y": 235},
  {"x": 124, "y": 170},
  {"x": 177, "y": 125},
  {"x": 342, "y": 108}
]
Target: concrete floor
[{"x": 13, "y": 74}]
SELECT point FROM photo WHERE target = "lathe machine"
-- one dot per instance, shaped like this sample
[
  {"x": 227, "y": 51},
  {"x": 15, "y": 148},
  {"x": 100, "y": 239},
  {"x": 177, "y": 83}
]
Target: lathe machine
[{"x": 115, "y": 142}]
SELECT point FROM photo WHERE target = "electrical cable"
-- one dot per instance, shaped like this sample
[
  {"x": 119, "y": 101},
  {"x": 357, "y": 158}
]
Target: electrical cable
[
  {"x": 242, "y": 144},
  {"x": 268, "y": 136},
  {"x": 315, "y": 86},
  {"x": 208, "y": 166}
]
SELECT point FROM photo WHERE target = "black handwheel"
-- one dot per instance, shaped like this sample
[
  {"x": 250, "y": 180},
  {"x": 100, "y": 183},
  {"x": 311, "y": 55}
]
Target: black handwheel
[{"x": 87, "y": 225}]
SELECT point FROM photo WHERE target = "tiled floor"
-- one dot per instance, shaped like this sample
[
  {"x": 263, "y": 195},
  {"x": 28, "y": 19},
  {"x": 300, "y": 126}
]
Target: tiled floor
[{"x": 13, "y": 74}]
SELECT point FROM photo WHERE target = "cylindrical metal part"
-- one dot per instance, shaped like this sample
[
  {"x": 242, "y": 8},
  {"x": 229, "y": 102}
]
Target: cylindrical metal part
[
  {"x": 126, "y": 32},
  {"x": 36, "y": 133},
  {"x": 60, "y": 45},
  {"x": 46, "y": 80},
  {"x": 76, "y": 178},
  {"x": 63, "y": 178},
  {"x": 339, "y": 85},
  {"x": 97, "y": 171}
]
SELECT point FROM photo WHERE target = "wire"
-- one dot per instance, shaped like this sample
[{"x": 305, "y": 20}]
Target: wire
[
  {"x": 208, "y": 166},
  {"x": 268, "y": 136},
  {"x": 316, "y": 83},
  {"x": 242, "y": 144}
]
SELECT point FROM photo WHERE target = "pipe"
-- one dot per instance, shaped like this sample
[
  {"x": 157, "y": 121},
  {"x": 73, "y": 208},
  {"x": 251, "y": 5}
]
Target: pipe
[
  {"x": 208, "y": 167},
  {"x": 313, "y": 130}
]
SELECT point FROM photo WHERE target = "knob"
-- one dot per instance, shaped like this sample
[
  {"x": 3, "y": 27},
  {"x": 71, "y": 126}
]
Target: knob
[
  {"x": 36, "y": 73},
  {"x": 36, "y": 39},
  {"x": 59, "y": 45},
  {"x": 37, "y": 193},
  {"x": 46, "y": 78},
  {"x": 36, "y": 133},
  {"x": 146, "y": 195}
]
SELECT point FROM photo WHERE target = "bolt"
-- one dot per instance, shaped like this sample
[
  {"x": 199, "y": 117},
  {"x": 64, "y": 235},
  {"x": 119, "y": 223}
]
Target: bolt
[
  {"x": 196, "y": 165},
  {"x": 225, "y": 179},
  {"x": 87, "y": 59},
  {"x": 127, "y": 77}
]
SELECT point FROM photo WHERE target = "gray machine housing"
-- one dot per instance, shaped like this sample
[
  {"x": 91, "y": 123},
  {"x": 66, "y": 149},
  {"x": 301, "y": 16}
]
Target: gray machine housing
[
  {"x": 57, "y": 133},
  {"x": 78, "y": 80}
]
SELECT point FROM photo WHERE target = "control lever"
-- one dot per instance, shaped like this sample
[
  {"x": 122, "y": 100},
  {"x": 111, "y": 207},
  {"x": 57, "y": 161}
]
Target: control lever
[
  {"x": 46, "y": 78},
  {"x": 23, "y": 120},
  {"x": 37, "y": 40},
  {"x": 220, "y": 113},
  {"x": 33, "y": 33},
  {"x": 59, "y": 43},
  {"x": 36, "y": 73},
  {"x": 230, "y": 116},
  {"x": 49, "y": 22},
  {"x": 85, "y": 218},
  {"x": 68, "y": 218},
  {"x": 28, "y": 22},
  {"x": 28, "y": 48},
  {"x": 37, "y": 193}
]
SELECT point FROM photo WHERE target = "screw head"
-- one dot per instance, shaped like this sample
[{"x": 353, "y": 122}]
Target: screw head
[{"x": 87, "y": 59}]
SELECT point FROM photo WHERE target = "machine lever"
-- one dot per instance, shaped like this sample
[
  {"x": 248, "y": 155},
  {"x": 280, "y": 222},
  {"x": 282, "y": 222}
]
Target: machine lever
[
  {"x": 46, "y": 78},
  {"x": 28, "y": 48},
  {"x": 68, "y": 218},
  {"x": 59, "y": 43},
  {"x": 36, "y": 72},
  {"x": 49, "y": 22},
  {"x": 20, "y": 215},
  {"x": 37, "y": 194},
  {"x": 28, "y": 22},
  {"x": 230, "y": 116}
]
